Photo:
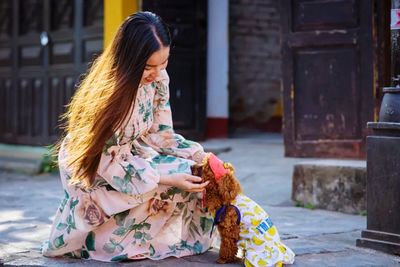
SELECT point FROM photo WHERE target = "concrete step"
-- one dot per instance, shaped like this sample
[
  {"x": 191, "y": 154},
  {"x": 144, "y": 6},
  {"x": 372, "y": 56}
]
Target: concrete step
[
  {"x": 22, "y": 159},
  {"x": 28, "y": 159},
  {"x": 336, "y": 185}
]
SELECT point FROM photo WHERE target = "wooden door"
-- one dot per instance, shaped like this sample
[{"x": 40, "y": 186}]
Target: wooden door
[
  {"x": 44, "y": 47},
  {"x": 328, "y": 76},
  {"x": 187, "y": 64}
]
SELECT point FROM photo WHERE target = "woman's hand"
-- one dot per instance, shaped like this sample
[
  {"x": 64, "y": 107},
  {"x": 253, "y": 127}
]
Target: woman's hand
[{"x": 184, "y": 181}]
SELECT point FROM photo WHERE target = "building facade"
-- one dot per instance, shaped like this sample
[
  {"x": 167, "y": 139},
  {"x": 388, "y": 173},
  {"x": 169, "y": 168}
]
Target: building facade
[{"x": 234, "y": 64}]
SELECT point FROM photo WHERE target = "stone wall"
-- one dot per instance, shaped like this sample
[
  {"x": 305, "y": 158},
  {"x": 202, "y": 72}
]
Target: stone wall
[
  {"x": 337, "y": 185},
  {"x": 254, "y": 62}
]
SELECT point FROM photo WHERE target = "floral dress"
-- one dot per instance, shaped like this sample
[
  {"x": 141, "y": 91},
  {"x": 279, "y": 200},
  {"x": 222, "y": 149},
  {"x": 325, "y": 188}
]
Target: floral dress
[{"x": 128, "y": 214}]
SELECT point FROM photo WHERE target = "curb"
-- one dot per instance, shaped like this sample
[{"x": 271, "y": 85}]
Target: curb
[{"x": 21, "y": 159}]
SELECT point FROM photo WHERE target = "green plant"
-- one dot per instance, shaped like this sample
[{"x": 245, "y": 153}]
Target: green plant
[
  {"x": 363, "y": 213},
  {"x": 299, "y": 204},
  {"x": 309, "y": 206},
  {"x": 49, "y": 161}
]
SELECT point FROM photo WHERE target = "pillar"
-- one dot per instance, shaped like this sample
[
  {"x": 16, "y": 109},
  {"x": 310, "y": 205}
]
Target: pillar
[{"x": 217, "y": 68}]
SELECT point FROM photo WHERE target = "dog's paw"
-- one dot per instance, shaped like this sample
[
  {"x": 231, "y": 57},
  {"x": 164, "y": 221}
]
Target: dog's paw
[{"x": 221, "y": 261}]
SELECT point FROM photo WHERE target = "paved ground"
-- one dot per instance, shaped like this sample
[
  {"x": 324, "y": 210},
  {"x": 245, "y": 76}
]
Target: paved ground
[{"x": 319, "y": 238}]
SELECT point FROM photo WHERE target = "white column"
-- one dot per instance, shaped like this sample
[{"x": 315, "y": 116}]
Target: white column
[{"x": 217, "y": 59}]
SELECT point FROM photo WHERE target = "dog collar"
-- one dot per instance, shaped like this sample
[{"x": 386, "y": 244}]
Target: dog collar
[{"x": 220, "y": 214}]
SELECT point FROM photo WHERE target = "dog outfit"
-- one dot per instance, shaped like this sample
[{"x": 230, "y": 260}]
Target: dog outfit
[{"x": 259, "y": 237}]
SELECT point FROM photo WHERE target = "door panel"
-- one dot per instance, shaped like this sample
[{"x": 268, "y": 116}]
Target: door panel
[
  {"x": 328, "y": 76},
  {"x": 323, "y": 15},
  {"x": 187, "y": 64},
  {"x": 61, "y": 89},
  {"x": 91, "y": 32},
  {"x": 37, "y": 79},
  {"x": 6, "y": 107},
  {"x": 316, "y": 111},
  {"x": 29, "y": 102}
]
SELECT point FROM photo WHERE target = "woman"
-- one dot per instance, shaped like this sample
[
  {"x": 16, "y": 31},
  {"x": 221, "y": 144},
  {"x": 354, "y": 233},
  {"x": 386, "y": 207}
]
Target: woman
[{"x": 129, "y": 192}]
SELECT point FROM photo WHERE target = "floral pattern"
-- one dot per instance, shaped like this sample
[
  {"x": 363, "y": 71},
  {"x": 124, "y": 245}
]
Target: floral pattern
[
  {"x": 128, "y": 214},
  {"x": 89, "y": 215},
  {"x": 259, "y": 237}
]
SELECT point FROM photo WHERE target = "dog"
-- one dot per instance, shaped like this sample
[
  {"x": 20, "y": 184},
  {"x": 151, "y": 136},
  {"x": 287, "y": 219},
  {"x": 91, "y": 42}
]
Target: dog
[{"x": 240, "y": 221}]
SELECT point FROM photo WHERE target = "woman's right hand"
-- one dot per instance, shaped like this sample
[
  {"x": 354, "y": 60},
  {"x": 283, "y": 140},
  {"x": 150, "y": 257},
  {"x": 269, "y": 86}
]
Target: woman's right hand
[{"x": 184, "y": 181}]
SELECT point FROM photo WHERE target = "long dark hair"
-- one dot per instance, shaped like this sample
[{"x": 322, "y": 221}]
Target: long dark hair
[{"x": 105, "y": 96}]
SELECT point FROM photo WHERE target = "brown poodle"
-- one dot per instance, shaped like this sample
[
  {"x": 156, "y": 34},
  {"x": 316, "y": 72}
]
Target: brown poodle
[
  {"x": 240, "y": 221},
  {"x": 220, "y": 192}
]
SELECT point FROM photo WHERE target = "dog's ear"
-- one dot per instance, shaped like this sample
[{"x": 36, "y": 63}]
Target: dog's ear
[{"x": 228, "y": 185}]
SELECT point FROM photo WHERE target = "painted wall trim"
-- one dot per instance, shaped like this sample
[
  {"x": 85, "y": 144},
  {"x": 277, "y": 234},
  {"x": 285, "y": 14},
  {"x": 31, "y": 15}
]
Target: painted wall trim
[
  {"x": 115, "y": 11},
  {"x": 218, "y": 67},
  {"x": 217, "y": 127}
]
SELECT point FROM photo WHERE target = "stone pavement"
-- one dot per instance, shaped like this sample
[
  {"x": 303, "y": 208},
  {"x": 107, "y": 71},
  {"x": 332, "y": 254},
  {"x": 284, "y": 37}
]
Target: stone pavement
[{"x": 318, "y": 237}]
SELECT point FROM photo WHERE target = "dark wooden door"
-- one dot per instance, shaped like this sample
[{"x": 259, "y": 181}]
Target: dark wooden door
[
  {"x": 187, "y": 64},
  {"x": 44, "y": 47},
  {"x": 328, "y": 76}
]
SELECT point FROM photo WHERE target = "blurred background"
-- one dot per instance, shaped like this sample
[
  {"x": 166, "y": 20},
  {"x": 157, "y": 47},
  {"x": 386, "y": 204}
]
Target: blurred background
[{"x": 311, "y": 70}]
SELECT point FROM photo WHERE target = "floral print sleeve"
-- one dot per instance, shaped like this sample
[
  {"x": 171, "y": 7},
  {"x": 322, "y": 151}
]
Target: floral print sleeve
[
  {"x": 161, "y": 135},
  {"x": 126, "y": 172}
]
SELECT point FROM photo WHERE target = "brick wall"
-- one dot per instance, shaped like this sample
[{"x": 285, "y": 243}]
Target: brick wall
[{"x": 254, "y": 62}]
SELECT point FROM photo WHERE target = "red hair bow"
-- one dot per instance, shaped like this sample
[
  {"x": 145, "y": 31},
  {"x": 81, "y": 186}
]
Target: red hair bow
[{"x": 217, "y": 167}]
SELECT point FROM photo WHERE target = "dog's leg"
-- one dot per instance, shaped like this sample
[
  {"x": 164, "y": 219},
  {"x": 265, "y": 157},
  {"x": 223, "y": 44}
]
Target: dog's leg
[
  {"x": 229, "y": 232},
  {"x": 228, "y": 250}
]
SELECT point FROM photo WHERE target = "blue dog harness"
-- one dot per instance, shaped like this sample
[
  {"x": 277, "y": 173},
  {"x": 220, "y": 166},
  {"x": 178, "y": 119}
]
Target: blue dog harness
[{"x": 220, "y": 214}]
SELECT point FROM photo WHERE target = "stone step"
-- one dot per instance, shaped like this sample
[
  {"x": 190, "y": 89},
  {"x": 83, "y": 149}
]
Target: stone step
[
  {"x": 336, "y": 185},
  {"x": 20, "y": 165},
  {"x": 22, "y": 159}
]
